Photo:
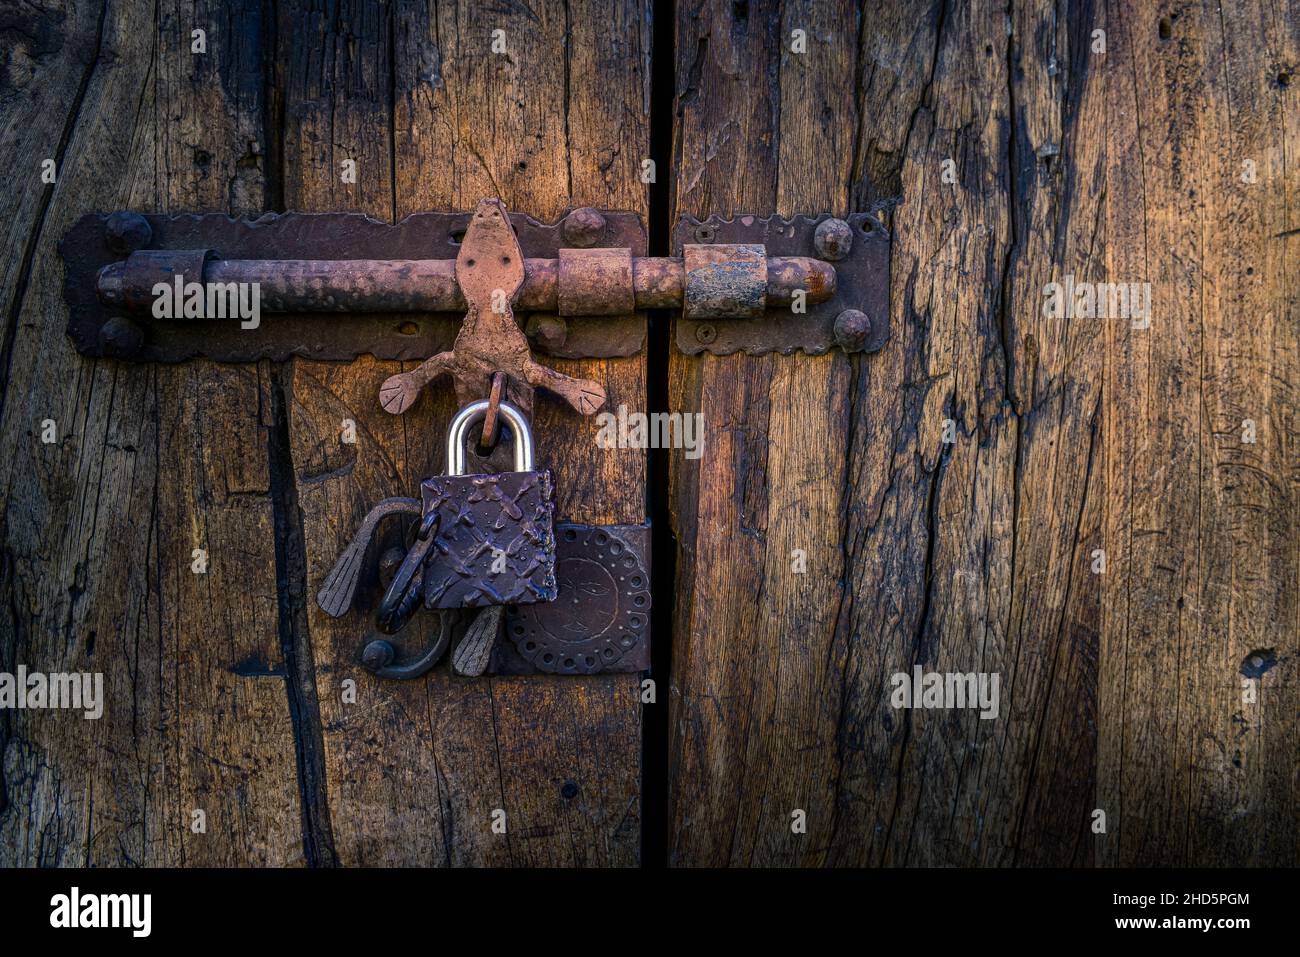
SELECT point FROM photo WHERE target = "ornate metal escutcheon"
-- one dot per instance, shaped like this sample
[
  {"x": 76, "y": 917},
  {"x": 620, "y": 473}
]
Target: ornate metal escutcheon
[{"x": 600, "y": 618}]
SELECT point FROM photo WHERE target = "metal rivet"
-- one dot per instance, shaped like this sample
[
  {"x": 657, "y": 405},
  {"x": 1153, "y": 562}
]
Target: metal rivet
[
  {"x": 832, "y": 239},
  {"x": 583, "y": 227},
  {"x": 852, "y": 329},
  {"x": 569, "y": 791},
  {"x": 550, "y": 332},
  {"x": 704, "y": 234},
  {"x": 120, "y": 338},
  {"x": 378, "y": 654},
  {"x": 705, "y": 333},
  {"x": 126, "y": 232}
]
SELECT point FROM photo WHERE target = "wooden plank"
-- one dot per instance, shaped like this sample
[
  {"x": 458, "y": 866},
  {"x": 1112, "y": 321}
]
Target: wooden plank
[
  {"x": 976, "y": 555},
  {"x": 48, "y": 61},
  {"x": 755, "y": 643},
  {"x": 151, "y": 463},
  {"x": 560, "y": 757},
  {"x": 1206, "y": 579}
]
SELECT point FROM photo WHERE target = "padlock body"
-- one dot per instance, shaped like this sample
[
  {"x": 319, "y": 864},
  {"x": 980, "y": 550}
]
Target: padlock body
[{"x": 494, "y": 542}]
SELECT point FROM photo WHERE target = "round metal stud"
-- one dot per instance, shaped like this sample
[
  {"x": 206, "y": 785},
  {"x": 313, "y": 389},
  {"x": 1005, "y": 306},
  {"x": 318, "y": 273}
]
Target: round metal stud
[
  {"x": 833, "y": 239},
  {"x": 120, "y": 338},
  {"x": 583, "y": 227},
  {"x": 126, "y": 232},
  {"x": 378, "y": 654},
  {"x": 852, "y": 329},
  {"x": 550, "y": 333}
]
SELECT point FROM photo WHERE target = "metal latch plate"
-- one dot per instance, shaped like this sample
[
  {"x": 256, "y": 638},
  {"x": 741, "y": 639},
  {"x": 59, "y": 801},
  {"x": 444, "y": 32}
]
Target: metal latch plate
[
  {"x": 862, "y": 283},
  {"x": 329, "y": 335}
]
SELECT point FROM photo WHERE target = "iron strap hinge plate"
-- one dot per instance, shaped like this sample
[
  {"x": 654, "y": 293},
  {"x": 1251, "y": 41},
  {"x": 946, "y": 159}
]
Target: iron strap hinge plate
[{"x": 339, "y": 285}]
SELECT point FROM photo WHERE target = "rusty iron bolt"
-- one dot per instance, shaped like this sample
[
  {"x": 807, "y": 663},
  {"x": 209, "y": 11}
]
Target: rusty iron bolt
[
  {"x": 127, "y": 232},
  {"x": 550, "y": 332},
  {"x": 583, "y": 227},
  {"x": 705, "y": 333},
  {"x": 704, "y": 234},
  {"x": 378, "y": 654},
  {"x": 832, "y": 239},
  {"x": 852, "y": 328},
  {"x": 120, "y": 338}
]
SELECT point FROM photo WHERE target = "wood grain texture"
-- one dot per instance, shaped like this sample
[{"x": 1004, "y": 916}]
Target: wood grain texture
[
  {"x": 150, "y": 464},
  {"x": 1205, "y": 522},
  {"x": 1119, "y": 691},
  {"x": 1168, "y": 158},
  {"x": 436, "y": 120}
]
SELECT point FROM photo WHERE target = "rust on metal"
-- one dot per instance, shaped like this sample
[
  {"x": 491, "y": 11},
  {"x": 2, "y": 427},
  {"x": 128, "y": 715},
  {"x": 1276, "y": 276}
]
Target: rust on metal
[
  {"x": 580, "y": 282},
  {"x": 852, "y": 330},
  {"x": 490, "y": 270},
  {"x": 583, "y": 227},
  {"x": 131, "y": 284},
  {"x": 489, "y": 436},
  {"x": 120, "y": 337},
  {"x": 858, "y": 280},
  {"x": 417, "y": 317},
  {"x": 595, "y": 282},
  {"x": 549, "y": 333},
  {"x": 726, "y": 281},
  {"x": 833, "y": 239},
  {"x": 126, "y": 232},
  {"x": 357, "y": 286}
]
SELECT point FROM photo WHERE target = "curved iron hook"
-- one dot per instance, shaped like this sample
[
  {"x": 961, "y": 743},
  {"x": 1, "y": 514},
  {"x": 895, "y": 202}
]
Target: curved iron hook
[{"x": 377, "y": 657}]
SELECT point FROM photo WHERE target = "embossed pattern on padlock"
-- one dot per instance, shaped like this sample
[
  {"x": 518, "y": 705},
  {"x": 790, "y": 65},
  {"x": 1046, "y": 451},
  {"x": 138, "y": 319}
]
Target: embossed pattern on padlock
[{"x": 483, "y": 539}]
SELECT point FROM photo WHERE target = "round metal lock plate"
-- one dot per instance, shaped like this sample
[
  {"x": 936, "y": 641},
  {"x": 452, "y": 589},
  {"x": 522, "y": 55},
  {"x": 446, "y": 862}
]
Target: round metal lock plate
[{"x": 601, "y": 610}]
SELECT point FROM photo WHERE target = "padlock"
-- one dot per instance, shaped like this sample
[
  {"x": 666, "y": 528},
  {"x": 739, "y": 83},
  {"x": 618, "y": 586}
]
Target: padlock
[{"x": 483, "y": 539}]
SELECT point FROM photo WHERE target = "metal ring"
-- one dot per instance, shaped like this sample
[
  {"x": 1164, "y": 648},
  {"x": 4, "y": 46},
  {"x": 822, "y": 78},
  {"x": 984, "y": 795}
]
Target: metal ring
[
  {"x": 471, "y": 414},
  {"x": 377, "y": 657}
]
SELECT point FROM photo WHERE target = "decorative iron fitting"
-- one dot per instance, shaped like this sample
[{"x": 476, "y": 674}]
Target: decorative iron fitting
[
  {"x": 332, "y": 285},
  {"x": 746, "y": 284},
  {"x": 845, "y": 305}
]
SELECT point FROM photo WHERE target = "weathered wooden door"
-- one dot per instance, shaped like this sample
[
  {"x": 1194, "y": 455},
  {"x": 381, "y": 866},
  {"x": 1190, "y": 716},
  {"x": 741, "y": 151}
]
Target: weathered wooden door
[
  {"x": 1100, "y": 512},
  {"x": 223, "y": 688},
  {"x": 1103, "y": 514}
]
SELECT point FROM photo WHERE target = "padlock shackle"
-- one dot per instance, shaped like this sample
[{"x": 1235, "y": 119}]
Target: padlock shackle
[{"x": 475, "y": 412}]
